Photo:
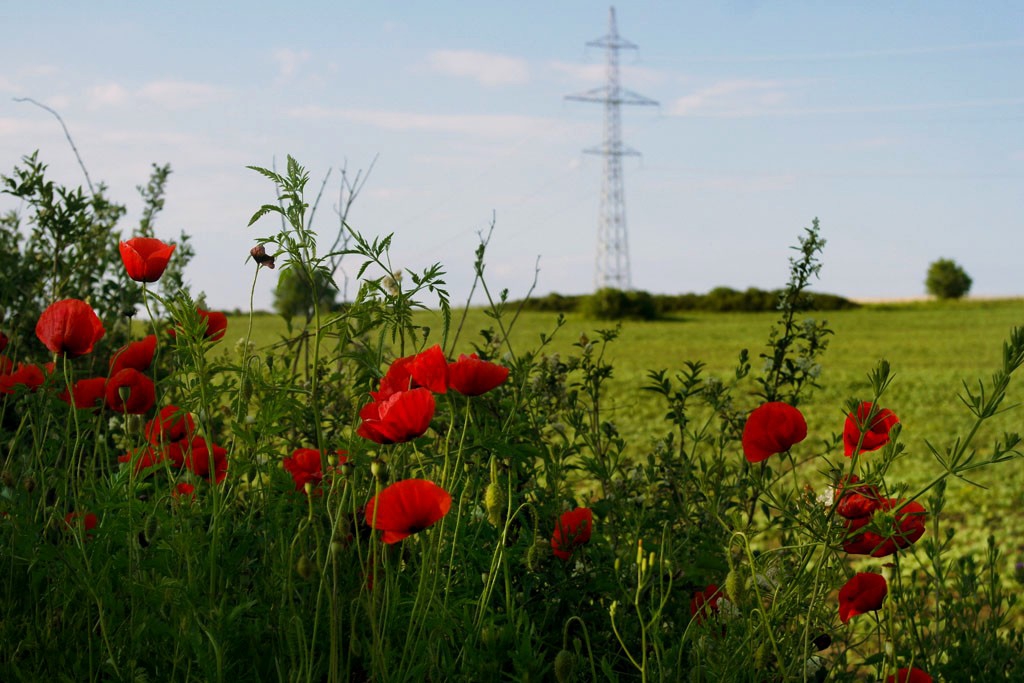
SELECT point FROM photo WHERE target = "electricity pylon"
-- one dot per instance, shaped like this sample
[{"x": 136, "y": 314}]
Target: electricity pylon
[{"x": 612, "y": 244}]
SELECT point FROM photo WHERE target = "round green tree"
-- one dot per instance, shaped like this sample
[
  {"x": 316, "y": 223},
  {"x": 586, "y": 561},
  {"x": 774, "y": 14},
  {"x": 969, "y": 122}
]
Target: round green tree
[
  {"x": 947, "y": 280},
  {"x": 294, "y": 295}
]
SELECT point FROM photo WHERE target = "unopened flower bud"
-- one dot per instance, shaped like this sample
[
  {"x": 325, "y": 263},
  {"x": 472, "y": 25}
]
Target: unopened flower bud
[
  {"x": 565, "y": 666},
  {"x": 135, "y": 424},
  {"x": 379, "y": 469},
  {"x": 124, "y": 393},
  {"x": 495, "y": 502},
  {"x": 536, "y": 554},
  {"x": 734, "y": 585},
  {"x": 304, "y": 567}
]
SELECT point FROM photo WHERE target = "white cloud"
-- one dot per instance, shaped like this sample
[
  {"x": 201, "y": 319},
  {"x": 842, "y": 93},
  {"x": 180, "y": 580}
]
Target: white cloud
[
  {"x": 107, "y": 95},
  {"x": 180, "y": 94},
  {"x": 730, "y": 98},
  {"x": 483, "y": 67},
  {"x": 472, "y": 124},
  {"x": 288, "y": 61}
]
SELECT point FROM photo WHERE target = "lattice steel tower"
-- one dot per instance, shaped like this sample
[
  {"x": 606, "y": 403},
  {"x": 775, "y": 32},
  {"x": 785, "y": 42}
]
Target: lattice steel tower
[{"x": 612, "y": 245}]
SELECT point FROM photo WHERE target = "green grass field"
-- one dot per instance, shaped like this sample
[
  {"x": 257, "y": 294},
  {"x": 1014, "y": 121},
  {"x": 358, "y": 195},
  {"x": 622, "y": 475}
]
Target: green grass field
[{"x": 932, "y": 347}]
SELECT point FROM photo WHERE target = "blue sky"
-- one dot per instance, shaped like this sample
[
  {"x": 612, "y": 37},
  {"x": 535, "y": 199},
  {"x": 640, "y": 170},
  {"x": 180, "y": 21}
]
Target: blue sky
[{"x": 899, "y": 125}]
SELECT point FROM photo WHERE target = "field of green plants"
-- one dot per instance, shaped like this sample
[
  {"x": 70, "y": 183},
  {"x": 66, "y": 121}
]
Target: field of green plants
[{"x": 398, "y": 490}]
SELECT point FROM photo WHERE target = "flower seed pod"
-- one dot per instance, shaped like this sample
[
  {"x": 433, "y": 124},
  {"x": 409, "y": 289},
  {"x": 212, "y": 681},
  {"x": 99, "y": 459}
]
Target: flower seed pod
[
  {"x": 565, "y": 666},
  {"x": 495, "y": 502},
  {"x": 379, "y": 469}
]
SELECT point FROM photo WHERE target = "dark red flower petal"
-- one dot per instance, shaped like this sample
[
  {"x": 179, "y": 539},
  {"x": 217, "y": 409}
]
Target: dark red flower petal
[
  {"x": 876, "y": 434},
  {"x": 88, "y": 521},
  {"x": 909, "y": 675},
  {"x": 705, "y": 603},
  {"x": 140, "y": 390},
  {"x": 772, "y": 428},
  {"x": 863, "y": 593},
  {"x": 86, "y": 392},
  {"x": 136, "y": 355},
  {"x": 70, "y": 327},
  {"x": 145, "y": 258},
  {"x": 402, "y": 417},
  {"x": 573, "y": 530},
  {"x": 905, "y": 527},
  {"x": 471, "y": 376},
  {"x": 144, "y": 458},
  {"x": 304, "y": 466},
  {"x": 429, "y": 369},
  {"x": 405, "y": 507},
  {"x": 197, "y": 458},
  {"x": 26, "y": 375},
  {"x": 171, "y": 424}
]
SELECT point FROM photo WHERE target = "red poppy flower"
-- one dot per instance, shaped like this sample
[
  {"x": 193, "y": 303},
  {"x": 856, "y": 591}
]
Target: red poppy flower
[
  {"x": 70, "y": 327},
  {"x": 425, "y": 369},
  {"x": 145, "y": 258},
  {"x": 141, "y": 392},
  {"x": 87, "y": 392},
  {"x": 406, "y": 507},
  {"x": 471, "y": 376},
  {"x": 429, "y": 369},
  {"x": 909, "y": 675},
  {"x": 855, "y": 499},
  {"x": 26, "y": 375},
  {"x": 863, "y": 593},
  {"x": 88, "y": 521},
  {"x": 772, "y": 428},
  {"x": 705, "y": 603},
  {"x": 402, "y": 417},
  {"x": 136, "y": 355},
  {"x": 573, "y": 530},
  {"x": 216, "y": 325},
  {"x": 197, "y": 458},
  {"x": 184, "y": 490},
  {"x": 876, "y": 434},
  {"x": 143, "y": 458},
  {"x": 304, "y": 466},
  {"x": 884, "y": 533},
  {"x": 171, "y": 424}
]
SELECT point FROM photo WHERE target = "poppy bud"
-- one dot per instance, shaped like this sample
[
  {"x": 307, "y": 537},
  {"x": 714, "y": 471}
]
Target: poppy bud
[
  {"x": 124, "y": 392},
  {"x": 29, "y": 484},
  {"x": 495, "y": 502},
  {"x": 135, "y": 422},
  {"x": 379, "y": 469},
  {"x": 7, "y": 478},
  {"x": 346, "y": 469},
  {"x": 734, "y": 585},
  {"x": 536, "y": 554},
  {"x": 565, "y": 666},
  {"x": 304, "y": 567}
]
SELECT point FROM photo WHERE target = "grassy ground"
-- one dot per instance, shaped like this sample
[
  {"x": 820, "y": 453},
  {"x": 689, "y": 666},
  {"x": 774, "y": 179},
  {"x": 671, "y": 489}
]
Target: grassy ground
[{"x": 932, "y": 347}]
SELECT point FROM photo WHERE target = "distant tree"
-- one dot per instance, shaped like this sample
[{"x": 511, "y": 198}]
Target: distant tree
[
  {"x": 294, "y": 295},
  {"x": 947, "y": 280}
]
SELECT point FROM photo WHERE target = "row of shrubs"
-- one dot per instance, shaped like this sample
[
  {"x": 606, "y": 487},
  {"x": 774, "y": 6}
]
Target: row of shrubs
[{"x": 614, "y": 304}]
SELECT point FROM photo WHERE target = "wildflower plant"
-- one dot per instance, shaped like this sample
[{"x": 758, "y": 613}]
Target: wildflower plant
[{"x": 367, "y": 499}]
